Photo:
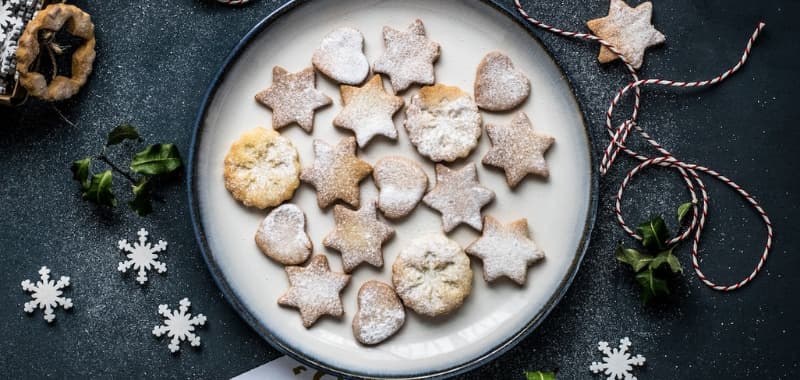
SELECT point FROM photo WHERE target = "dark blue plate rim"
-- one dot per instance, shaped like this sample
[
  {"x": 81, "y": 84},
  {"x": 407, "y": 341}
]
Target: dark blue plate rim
[{"x": 265, "y": 333}]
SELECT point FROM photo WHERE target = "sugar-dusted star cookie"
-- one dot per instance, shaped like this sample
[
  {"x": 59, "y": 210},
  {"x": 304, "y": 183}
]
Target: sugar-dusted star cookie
[
  {"x": 336, "y": 172},
  {"x": 408, "y": 58},
  {"x": 458, "y": 196},
  {"x": 517, "y": 149},
  {"x": 368, "y": 111},
  {"x": 314, "y": 290},
  {"x": 628, "y": 29},
  {"x": 358, "y": 236},
  {"x": 505, "y": 249},
  {"x": 293, "y": 98}
]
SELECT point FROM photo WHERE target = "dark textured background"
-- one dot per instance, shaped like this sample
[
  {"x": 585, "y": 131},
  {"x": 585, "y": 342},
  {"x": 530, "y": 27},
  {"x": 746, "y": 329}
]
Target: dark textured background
[{"x": 155, "y": 60}]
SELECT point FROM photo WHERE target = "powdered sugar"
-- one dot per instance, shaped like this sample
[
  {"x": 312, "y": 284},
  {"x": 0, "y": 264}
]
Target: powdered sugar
[
  {"x": 314, "y": 290},
  {"x": 459, "y": 197},
  {"x": 358, "y": 236},
  {"x": 409, "y": 56},
  {"x": 293, "y": 98},
  {"x": 368, "y": 111},
  {"x": 443, "y": 127},
  {"x": 506, "y": 250},
  {"x": 340, "y": 56}
]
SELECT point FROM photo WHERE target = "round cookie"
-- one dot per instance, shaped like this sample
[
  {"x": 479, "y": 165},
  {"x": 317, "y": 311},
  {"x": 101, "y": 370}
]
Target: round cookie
[
  {"x": 262, "y": 168},
  {"x": 282, "y": 236},
  {"x": 499, "y": 86},
  {"x": 401, "y": 182},
  {"x": 380, "y": 313},
  {"x": 443, "y": 123},
  {"x": 432, "y": 275},
  {"x": 340, "y": 56}
]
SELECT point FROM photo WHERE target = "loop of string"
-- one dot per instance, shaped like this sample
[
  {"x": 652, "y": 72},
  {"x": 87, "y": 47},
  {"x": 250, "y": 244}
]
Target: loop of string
[{"x": 688, "y": 171}]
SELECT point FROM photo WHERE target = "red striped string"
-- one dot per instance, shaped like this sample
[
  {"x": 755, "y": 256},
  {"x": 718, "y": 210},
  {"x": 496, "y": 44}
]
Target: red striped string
[
  {"x": 688, "y": 171},
  {"x": 233, "y": 2}
]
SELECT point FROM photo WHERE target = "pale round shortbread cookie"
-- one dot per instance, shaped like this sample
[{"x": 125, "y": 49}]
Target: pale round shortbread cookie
[{"x": 262, "y": 168}]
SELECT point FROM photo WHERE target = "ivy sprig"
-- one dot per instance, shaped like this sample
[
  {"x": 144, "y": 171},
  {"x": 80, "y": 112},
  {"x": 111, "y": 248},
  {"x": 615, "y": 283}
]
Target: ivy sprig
[
  {"x": 539, "y": 375},
  {"x": 154, "y": 161},
  {"x": 656, "y": 263}
]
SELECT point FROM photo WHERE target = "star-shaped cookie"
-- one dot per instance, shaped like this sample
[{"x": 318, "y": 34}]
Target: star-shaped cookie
[
  {"x": 458, "y": 196},
  {"x": 314, "y": 290},
  {"x": 293, "y": 98},
  {"x": 409, "y": 56},
  {"x": 336, "y": 172},
  {"x": 358, "y": 236},
  {"x": 518, "y": 149},
  {"x": 628, "y": 29},
  {"x": 505, "y": 249},
  {"x": 368, "y": 111}
]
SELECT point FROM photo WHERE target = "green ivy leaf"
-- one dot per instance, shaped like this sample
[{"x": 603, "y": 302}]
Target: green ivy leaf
[
  {"x": 632, "y": 257},
  {"x": 141, "y": 203},
  {"x": 80, "y": 171},
  {"x": 654, "y": 233},
  {"x": 666, "y": 257},
  {"x": 99, "y": 190},
  {"x": 121, "y": 133},
  {"x": 539, "y": 375},
  {"x": 157, "y": 159},
  {"x": 683, "y": 210},
  {"x": 652, "y": 286}
]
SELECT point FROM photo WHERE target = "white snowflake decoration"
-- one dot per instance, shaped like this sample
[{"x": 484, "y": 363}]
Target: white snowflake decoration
[
  {"x": 617, "y": 363},
  {"x": 46, "y": 294},
  {"x": 179, "y": 325},
  {"x": 142, "y": 256},
  {"x": 5, "y": 13}
]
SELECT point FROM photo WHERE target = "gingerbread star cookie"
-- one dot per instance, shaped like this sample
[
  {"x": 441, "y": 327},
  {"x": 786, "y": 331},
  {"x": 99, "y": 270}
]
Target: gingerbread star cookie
[
  {"x": 314, "y": 290},
  {"x": 336, "y": 172},
  {"x": 340, "y": 56},
  {"x": 458, "y": 196},
  {"x": 282, "y": 235},
  {"x": 628, "y": 29},
  {"x": 293, "y": 98},
  {"x": 368, "y": 111},
  {"x": 408, "y": 58},
  {"x": 518, "y": 149},
  {"x": 358, "y": 236},
  {"x": 505, "y": 249}
]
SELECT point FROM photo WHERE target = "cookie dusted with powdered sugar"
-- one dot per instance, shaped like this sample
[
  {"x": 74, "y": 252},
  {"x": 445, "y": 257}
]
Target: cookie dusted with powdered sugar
[
  {"x": 499, "y": 86},
  {"x": 261, "y": 168},
  {"x": 358, "y": 236},
  {"x": 505, "y": 249},
  {"x": 443, "y": 123},
  {"x": 432, "y": 275},
  {"x": 336, "y": 172},
  {"x": 630, "y": 31},
  {"x": 282, "y": 235},
  {"x": 408, "y": 58},
  {"x": 314, "y": 290},
  {"x": 340, "y": 56},
  {"x": 380, "y": 313},
  {"x": 458, "y": 196},
  {"x": 518, "y": 149},
  {"x": 368, "y": 111},
  {"x": 401, "y": 182},
  {"x": 293, "y": 98}
]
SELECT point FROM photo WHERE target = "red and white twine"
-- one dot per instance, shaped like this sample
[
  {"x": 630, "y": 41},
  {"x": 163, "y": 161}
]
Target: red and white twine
[
  {"x": 233, "y": 2},
  {"x": 689, "y": 172}
]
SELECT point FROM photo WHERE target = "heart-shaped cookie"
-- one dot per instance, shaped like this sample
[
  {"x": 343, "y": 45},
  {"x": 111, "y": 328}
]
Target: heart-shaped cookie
[
  {"x": 402, "y": 184},
  {"x": 380, "y": 313},
  {"x": 282, "y": 235},
  {"x": 340, "y": 56},
  {"x": 499, "y": 86}
]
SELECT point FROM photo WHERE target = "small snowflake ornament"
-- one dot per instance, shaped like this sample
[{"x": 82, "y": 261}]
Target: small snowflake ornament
[
  {"x": 179, "y": 325},
  {"x": 46, "y": 294},
  {"x": 142, "y": 256},
  {"x": 617, "y": 363}
]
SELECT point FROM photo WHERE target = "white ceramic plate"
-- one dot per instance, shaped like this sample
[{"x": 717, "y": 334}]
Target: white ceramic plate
[{"x": 495, "y": 317}]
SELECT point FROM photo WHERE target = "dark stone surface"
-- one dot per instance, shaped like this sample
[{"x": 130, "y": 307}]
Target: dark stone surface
[{"x": 155, "y": 60}]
